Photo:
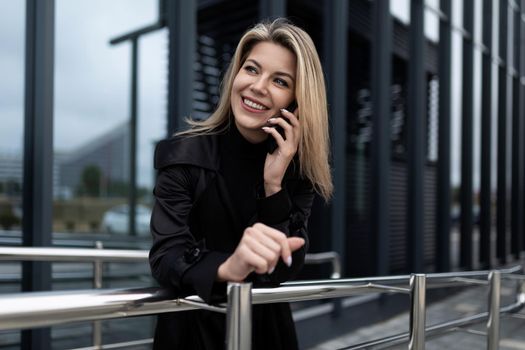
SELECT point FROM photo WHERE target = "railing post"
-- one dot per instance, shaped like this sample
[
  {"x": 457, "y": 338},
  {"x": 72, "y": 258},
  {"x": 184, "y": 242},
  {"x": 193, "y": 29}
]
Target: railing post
[
  {"x": 494, "y": 310},
  {"x": 97, "y": 284},
  {"x": 239, "y": 316},
  {"x": 417, "y": 312}
]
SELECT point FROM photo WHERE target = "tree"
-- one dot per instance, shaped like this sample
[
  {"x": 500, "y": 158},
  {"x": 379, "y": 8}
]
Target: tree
[{"x": 90, "y": 181}]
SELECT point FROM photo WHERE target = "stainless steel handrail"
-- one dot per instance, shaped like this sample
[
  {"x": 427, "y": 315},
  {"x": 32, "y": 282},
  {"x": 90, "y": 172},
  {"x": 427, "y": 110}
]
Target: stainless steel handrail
[
  {"x": 71, "y": 254},
  {"x": 26, "y": 310},
  {"x": 437, "y": 329},
  {"x": 21, "y": 310},
  {"x": 121, "y": 255},
  {"x": 98, "y": 256},
  {"x": 326, "y": 257}
]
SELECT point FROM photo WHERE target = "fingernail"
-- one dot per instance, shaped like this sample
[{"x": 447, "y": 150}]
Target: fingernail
[
  {"x": 284, "y": 110},
  {"x": 265, "y": 128},
  {"x": 289, "y": 261},
  {"x": 271, "y": 270}
]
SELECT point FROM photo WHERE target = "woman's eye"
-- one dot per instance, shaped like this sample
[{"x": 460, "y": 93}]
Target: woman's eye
[
  {"x": 250, "y": 69},
  {"x": 281, "y": 82}
]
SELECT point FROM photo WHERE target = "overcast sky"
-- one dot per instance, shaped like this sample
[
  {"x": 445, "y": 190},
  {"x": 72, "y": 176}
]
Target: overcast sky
[{"x": 91, "y": 77}]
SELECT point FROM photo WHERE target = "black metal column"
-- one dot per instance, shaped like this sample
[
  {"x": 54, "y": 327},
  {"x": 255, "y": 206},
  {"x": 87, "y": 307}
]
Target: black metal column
[
  {"x": 133, "y": 138},
  {"x": 335, "y": 61},
  {"x": 416, "y": 137},
  {"x": 486, "y": 139},
  {"x": 181, "y": 20},
  {"x": 521, "y": 161},
  {"x": 518, "y": 210},
  {"x": 501, "y": 200},
  {"x": 443, "y": 192},
  {"x": 38, "y": 152},
  {"x": 270, "y": 9},
  {"x": 466, "y": 225},
  {"x": 382, "y": 110}
]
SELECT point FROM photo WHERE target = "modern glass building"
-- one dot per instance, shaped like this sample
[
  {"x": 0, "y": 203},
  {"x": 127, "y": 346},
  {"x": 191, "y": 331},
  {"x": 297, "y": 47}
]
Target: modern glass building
[{"x": 426, "y": 112}]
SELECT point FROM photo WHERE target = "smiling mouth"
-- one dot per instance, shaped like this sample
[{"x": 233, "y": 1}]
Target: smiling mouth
[{"x": 253, "y": 104}]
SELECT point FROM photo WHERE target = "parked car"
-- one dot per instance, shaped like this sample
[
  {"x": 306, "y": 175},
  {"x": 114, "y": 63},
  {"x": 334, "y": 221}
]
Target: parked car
[{"x": 116, "y": 219}]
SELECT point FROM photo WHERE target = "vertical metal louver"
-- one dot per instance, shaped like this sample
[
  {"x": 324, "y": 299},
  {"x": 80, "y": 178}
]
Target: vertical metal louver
[{"x": 220, "y": 24}]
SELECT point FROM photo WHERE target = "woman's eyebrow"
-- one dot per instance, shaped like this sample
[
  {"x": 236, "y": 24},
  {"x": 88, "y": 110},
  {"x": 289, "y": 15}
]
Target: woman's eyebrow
[{"x": 278, "y": 73}]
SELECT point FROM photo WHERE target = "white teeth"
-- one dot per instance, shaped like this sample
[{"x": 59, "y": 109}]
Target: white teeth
[{"x": 253, "y": 104}]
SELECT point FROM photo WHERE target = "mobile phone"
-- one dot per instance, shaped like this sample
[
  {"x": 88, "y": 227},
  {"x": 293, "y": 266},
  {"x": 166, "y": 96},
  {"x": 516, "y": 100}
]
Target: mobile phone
[{"x": 272, "y": 144}]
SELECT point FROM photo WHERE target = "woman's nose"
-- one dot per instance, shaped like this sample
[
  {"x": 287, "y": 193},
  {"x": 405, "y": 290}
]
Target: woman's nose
[{"x": 259, "y": 86}]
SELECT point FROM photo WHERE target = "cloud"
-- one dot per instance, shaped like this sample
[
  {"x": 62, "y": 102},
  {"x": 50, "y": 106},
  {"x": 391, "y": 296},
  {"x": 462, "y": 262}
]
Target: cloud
[{"x": 92, "y": 78}]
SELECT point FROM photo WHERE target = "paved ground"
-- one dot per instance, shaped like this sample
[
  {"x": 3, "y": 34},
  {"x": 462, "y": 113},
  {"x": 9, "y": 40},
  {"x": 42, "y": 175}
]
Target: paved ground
[{"x": 467, "y": 302}]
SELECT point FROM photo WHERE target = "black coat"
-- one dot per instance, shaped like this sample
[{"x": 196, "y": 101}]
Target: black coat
[{"x": 195, "y": 229}]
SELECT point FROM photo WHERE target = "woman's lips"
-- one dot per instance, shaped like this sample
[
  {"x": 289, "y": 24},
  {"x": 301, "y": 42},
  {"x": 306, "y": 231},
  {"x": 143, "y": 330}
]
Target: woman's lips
[{"x": 251, "y": 105}]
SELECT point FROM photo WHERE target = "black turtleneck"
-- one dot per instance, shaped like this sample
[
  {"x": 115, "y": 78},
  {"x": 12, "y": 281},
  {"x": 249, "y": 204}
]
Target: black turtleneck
[{"x": 242, "y": 165}]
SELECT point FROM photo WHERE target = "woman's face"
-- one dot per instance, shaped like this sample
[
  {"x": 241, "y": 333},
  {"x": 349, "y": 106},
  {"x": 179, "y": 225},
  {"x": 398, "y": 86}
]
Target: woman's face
[{"x": 264, "y": 84}]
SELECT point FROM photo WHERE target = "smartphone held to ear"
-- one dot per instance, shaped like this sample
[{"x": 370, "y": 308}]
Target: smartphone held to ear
[{"x": 272, "y": 144}]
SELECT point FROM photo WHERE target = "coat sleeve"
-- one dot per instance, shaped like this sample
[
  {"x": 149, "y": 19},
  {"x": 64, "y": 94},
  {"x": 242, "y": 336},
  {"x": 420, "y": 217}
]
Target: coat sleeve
[
  {"x": 287, "y": 211},
  {"x": 176, "y": 259}
]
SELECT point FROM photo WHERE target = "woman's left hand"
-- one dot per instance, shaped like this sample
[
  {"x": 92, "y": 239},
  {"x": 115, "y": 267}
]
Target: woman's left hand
[{"x": 277, "y": 162}]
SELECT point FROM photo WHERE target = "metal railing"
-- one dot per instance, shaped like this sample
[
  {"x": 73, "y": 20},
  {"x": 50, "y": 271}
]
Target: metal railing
[
  {"x": 99, "y": 256},
  {"x": 37, "y": 309}
]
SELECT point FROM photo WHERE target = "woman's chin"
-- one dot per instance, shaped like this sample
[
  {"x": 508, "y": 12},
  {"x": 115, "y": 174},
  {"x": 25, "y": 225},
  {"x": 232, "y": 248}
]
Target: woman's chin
[{"x": 253, "y": 135}]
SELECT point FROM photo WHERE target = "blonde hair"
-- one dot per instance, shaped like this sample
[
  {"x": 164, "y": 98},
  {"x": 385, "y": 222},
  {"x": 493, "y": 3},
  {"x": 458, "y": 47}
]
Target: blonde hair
[{"x": 310, "y": 95}]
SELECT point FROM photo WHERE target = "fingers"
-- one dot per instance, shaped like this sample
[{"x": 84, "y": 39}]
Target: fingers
[
  {"x": 259, "y": 250},
  {"x": 264, "y": 247},
  {"x": 257, "y": 262},
  {"x": 295, "y": 243},
  {"x": 291, "y": 244},
  {"x": 292, "y": 117},
  {"x": 291, "y": 126},
  {"x": 275, "y": 134},
  {"x": 287, "y": 245},
  {"x": 288, "y": 121}
]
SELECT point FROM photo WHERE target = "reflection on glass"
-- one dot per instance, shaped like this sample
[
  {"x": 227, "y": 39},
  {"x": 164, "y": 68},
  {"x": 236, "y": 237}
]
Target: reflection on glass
[
  {"x": 432, "y": 3},
  {"x": 12, "y": 26},
  {"x": 456, "y": 102},
  {"x": 92, "y": 144},
  {"x": 431, "y": 25},
  {"x": 400, "y": 9},
  {"x": 92, "y": 111},
  {"x": 457, "y": 14}
]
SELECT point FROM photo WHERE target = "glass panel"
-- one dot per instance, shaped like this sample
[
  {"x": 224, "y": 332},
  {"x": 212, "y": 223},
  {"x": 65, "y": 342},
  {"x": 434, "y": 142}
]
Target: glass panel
[
  {"x": 92, "y": 147},
  {"x": 431, "y": 25},
  {"x": 434, "y": 4},
  {"x": 92, "y": 113},
  {"x": 152, "y": 119},
  {"x": 400, "y": 9},
  {"x": 12, "y": 31},
  {"x": 455, "y": 100},
  {"x": 478, "y": 21},
  {"x": 12, "y": 35},
  {"x": 457, "y": 14},
  {"x": 433, "y": 115}
]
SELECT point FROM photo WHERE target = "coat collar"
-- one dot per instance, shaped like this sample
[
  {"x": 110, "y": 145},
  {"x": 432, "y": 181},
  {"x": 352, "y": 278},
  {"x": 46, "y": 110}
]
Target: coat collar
[
  {"x": 201, "y": 151},
  {"x": 198, "y": 150}
]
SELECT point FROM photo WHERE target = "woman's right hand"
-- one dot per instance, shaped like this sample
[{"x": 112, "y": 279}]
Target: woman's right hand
[{"x": 259, "y": 250}]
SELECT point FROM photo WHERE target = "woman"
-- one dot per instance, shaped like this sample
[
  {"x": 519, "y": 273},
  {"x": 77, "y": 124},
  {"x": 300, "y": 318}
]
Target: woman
[{"x": 231, "y": 207}]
